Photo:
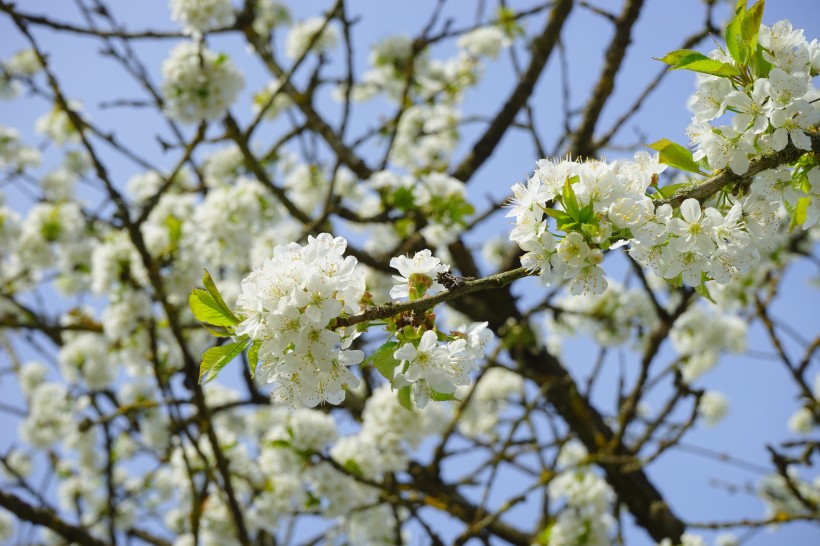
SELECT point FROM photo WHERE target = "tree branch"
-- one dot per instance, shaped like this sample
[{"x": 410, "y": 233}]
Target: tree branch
[{"x": 541, "y": 50}]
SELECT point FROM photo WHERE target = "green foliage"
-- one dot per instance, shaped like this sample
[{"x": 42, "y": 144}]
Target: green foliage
[
  {"x": 253, "y": 356},
  {"x": 675, "y": 155},
  {"x": 742, "y": 32},
  {"x": 405, "y": 399},
  {"x": 687, "y": 59},
  {"x": 210, "y": 309},
  {"x": 574, "y": 217},
  {"x": 442, "y": 396},
  {"x": 216, "y": 358},
  {"x": 508, "y": 22},
  {"x": 383, "y": 359}
]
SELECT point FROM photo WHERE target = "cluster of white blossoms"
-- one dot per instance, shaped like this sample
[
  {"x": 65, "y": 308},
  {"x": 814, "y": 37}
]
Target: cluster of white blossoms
[
  {"x": 199, "y": 84},
  {"x": 323, "y": 37},
  {"x": 431, "y": 363},
  {"x": 23, "y": 64},
  {"x": 597, "y": 205},
  {"x": 486, "y": 41},
  {"x": 793, "y": 496},
  {"x": 768, "y": 112},
  {"x": 58, "y": 126},
  {"x": 432, "y": 368},
  {"x": 700, "y": 335},
  {"x": 269, "y": 15},
  {"x": 713, "y": 406},
  {"x": 586, "y": 515},
  {"x": 198, "y": 16},
  {"x": 593, "y": 196},
  {"x": 777, "y": 108},
  {"x": 482, "y": 412},
  {"x": 427, "y": 131},
  {"x": 288, "y": 304},
  {"x": 14, "y": 155}
]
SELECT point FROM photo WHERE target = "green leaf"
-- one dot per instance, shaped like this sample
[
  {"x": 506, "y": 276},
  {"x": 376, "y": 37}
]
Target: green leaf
[
  {"x": 762, "y": 66},
  {"x": 544, "y": 536},
  {"x": 403, "y": 199},
  {"x": 687, "y": 59},
  {"x": 559, "y": 215},
  {"x": 800, "y": 210},
  {"x": 353, "y": 467},
  {"x": 709, "y": 66},
  {"x": 217, "y": 331},
  {"x": 704, "y": 292},
  {"x": 675, "y": 155},
  {"x": 404, "y": 398},
  {"x": 750, "y": 28},
  {"x": 442, "y": 396},
  {"x": 668, "y": 191},
  {"x": 207, "y": 310},
  {"x": 210, "y": 286},
  {"x": 569, "y": 200},
  {"x": 733, "y": 33},
  {"x": 174, "y": 228},
  {"x": 383, "y": 359},
  {"x": 673, "y": 58},
  {"x": 216, "y": 358},
  {"x": 253, "y": 356},
  {"x": 587, "y": 214}
]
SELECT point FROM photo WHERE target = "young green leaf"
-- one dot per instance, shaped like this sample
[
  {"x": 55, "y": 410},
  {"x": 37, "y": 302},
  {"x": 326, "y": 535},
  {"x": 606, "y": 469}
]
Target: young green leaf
[
  {"x": 442, "y": 396},
  {"x": 208, "y": 311},
  {"x": 800, "y": 211},
  {"x": 217, "y": 331},
  {"x": 733, "y": 36},
  {"x": 569, "y": 200},
  {"x": 704, "y": 291},
  {"x": 404, "y": 398},
  {"x": 559, "y": 215},
  {"x": 750, "y": 28},
  {"x": 687, "y": 59},
  {"x": 216, "y": 358},
  {"x": 675, "y": 155},
  {"x": 383, "y": 359},
  {"x": 210, "y": 286},
  {"x": 709, "y": 66},
  {"x": 253, "y": 356},
  {"x": 673, "y": 58}
]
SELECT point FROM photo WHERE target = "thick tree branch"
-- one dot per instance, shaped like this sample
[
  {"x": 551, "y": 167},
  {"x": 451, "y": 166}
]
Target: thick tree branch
[
  {"x": 47, "y": 518},
  {"x": 582, "y": 142},
  {"x": 541, "y": 50},
  {"x": 726, "y": 177}
]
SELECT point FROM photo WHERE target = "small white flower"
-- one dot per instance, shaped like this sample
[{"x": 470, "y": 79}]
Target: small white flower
[
  {"x": 791, "y": 122},
  {"x": 693, "y": 231},
  {"x": 304, "y": 32},
  {"x": 573, "y": 249},
  {"x": 752, "y": 110},
  {"x": 713, "y": 406},
  {"x": 417, "y": 274}
]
